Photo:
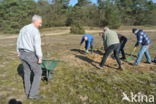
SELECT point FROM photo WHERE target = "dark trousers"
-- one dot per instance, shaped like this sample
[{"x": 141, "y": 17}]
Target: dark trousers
[
  {"x": 29, "y": 61},
  {"x": 122, "y": 45},
  {"x": 113, "y": 48}
]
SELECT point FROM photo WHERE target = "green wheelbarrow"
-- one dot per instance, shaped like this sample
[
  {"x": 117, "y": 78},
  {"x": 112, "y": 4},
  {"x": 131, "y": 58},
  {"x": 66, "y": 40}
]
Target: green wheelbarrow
[{"x": 48, "y": 67}]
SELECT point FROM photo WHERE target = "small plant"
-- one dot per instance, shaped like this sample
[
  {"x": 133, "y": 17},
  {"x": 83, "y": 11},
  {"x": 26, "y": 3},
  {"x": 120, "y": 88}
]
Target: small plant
[{"x": 77, "y": 29}]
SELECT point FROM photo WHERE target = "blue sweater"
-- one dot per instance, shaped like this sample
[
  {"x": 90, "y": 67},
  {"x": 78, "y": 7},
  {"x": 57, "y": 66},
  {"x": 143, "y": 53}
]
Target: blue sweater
[{"x": 88, "y": 42}]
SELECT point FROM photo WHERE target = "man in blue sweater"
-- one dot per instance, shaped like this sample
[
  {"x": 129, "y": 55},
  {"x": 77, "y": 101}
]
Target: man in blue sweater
[
  {"x": 144, "y": 41},
  {"x": 88, "y": 42}
]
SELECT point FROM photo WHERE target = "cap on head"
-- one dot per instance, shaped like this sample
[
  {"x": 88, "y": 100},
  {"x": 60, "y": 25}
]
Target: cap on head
[{"x": 134, "y": 30}]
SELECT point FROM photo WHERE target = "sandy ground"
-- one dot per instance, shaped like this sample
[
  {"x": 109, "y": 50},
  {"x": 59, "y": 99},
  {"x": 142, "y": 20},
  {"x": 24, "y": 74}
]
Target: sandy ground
[{"x": 77, "y": 79}]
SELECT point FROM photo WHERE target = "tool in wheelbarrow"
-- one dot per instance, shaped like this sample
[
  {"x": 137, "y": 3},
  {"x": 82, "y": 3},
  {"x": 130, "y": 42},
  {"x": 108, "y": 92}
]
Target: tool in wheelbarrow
[{"x": 48, "y": 65}]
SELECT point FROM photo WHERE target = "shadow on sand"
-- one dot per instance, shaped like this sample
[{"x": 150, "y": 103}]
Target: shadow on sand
[
  {"x": 78, "y": 50},
  {"x": 83, "y": 52},
  {"x": 14, "y": 101},
  {"x": 90, "y": 61},
  {"x": 98, "y": 52}
]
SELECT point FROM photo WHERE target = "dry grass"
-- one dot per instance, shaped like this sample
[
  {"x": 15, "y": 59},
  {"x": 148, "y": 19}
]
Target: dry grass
[{"x": 76, "y": 79}]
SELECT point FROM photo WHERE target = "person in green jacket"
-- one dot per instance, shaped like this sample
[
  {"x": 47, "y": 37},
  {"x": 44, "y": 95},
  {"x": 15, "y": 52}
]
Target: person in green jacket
[{"x": 111, "y": 44}]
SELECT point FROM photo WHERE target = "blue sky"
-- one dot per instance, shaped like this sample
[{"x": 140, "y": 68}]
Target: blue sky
[{"x": 73, "y": 2}]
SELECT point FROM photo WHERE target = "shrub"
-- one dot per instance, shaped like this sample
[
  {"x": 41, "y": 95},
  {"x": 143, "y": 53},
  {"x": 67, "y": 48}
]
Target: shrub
[
  {"x": 14, "y": 14},
  {"x": 77, "y": 29}
]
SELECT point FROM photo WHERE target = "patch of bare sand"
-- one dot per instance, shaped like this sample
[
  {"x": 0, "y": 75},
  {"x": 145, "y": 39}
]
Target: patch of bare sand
[
  {"x": 93, "y": 60},
  {"x": 76, "y": 59}
]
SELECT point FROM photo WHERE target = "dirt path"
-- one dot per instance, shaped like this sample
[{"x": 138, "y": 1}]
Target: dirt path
[
  {"x": 42, "y": 33},
  {"x": 62, "y": 32}
]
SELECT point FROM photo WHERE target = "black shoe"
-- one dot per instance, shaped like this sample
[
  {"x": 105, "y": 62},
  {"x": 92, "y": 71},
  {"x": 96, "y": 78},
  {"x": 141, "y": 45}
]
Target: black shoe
[
  {"x": 134, "y": 64},
  {"x": 27, "y": 95},
  {"x": 35, "y": 97},
  {"x": 123, "y": 58},
  {"x": 148, "y": 62},
  {"x": 154, "y": 60},
  {"x": 121, "y": 68},
  {"x": 98, "y": 66},
  {"x": 101, "y": 66}
]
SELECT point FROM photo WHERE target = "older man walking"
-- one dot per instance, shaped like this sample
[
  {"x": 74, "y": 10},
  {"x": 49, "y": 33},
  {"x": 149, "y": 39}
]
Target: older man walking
[
  {"x": 30, "y": 53},
  {"x": 111, "y": 44}
]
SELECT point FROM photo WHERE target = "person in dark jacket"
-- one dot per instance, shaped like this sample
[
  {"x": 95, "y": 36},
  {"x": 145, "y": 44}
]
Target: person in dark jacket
[
  {"x": 123, "y": 41},
  {"x": 145, "y": 42},
  {"x": 111, "y": 44},
  {"x": 88, "y": 42}
]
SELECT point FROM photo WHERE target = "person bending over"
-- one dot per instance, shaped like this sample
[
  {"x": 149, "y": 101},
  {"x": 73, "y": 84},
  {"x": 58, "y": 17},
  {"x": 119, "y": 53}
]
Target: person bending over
[
  {"x": 89, "y": 41},
  {"x": 123, "y": 41},
  {"x": 111, "y": 44}
]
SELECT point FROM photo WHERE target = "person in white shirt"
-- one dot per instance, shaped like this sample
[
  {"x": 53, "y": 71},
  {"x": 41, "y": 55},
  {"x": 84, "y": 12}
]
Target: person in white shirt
[{"x": 30, "y": 53}]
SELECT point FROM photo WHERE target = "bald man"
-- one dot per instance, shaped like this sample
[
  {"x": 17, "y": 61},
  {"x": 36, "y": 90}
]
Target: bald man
[
  {"x": 112, "y": 44},
  {"x": 30, "y": 53}
]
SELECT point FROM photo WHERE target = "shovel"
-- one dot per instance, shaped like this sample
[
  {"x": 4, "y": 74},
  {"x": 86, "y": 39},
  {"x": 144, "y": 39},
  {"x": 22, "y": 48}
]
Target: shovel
[{"x": 131, "y": 56}]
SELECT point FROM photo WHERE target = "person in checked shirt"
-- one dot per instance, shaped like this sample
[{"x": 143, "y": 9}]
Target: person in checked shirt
[{"x": 145, "y": 42}]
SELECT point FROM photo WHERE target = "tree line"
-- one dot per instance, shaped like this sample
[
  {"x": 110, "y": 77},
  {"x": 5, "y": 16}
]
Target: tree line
[{"x": 113, "y": 13}]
